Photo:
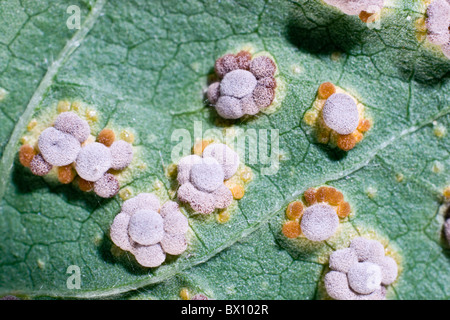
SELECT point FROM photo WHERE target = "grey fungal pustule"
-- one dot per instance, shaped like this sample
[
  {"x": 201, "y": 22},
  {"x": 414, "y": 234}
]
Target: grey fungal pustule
[
  {"x": 174, "y": 244},
  {"x": 107, "y": 186},
  {"x": 364, "y": 277},
  {"x": 228, "y": 159},
  {"x": 336, "y": 284},
  {"x": 149, "y": 256},
  {"x": 201, "y": 202},
  {"x": 213, "y": 93},
  {"x": 93, "y": 161},
  {"x": 438, "y": 23},
  {"x": 367, "y": 250},
  {"x": 121, "y": 153},
  {"x": 174, "y": 221},
  {"x": 201, "y": 179},
  {"x": 148, "y": 231},
  {"x": 119, "y": 231},
  {"x": 249, "y": 106},
  {"x": 243, "y": 59},
  {"x": 263, "y": 67},
  {"x": 146, "y": 227},
  {"x": 229, "y": 107},
  {"x": 226, "y": 64},
  {"x": 447, "y": 230},
  {"x": 141, "y": 201},
  {"x": 319, "y": 222},
  {"x": 72, "y": 124},
  {"x": 58, "y": 148},
  {"x": 263, "y": 96},
  {"x": 389, "y": 270},
  {"x": 39, "y": 166},
  {"x": 341, "y": 260},
  {"x": 184, "y": 167},
  {"x": 340, "y": 113},
  {"x": 360, "y": 272},
  {"x": 247, "y": 85},
  {"x": 446, "y": 49},
  {"x": 208, "y": 175},
  {"x": 354, "y": 7},
  {"x": 238, "y": 83}
]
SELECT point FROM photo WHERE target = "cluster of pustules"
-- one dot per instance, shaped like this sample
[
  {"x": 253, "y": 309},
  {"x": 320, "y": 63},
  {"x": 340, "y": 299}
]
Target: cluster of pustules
[
  {"x": 340, "y": 119},
  {"x": 325, "y": 206},
  {"x": 150, "y": 231},
  {"x": 246, "y": 86},
  {"x": 360, "y": 272},
  {"x": 66, "y": 145}
]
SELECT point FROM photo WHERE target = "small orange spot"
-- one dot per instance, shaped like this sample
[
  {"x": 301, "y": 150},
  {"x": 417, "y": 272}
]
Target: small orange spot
[
  {"x": 26, "y": 154},
  {"x": 326, "y": 89},
  {"x": 364, "y": 125},
  {"x": 107, "y": 137},
  {"x": 310, "y": 196},
  {"x": 237, "y": 191},
  {"x": 358, "y": 136},
  {"x": 333, "y": 196},
  {"x": 200, "y": 146},
  {"x": 322, "y": 194},
  {"x": 294, "y": 210},
  {"x": 364, "y": 16},
  {"x": 66, "y": 174},
  {"x": 346, "y": 142},
  {"x": 85, "y": 185},
  {"x": 291, "y": 229},
  {"x": 344, "y": 210}
]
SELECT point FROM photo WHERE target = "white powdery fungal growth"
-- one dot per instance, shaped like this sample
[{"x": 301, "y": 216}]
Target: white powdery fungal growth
[
  {"x": 247, "y": 85},
  {"x": 340, "y": 113},
  {"x": 360, "y": 272},
  {"x": 202, "y": 179},
  {"x": 364, "y": 277},
  {"x": 122, "y": 154},
  {"x": 354, "y": 7},
  {"x": 238, "y": 83},
  {"x": 72, "y": 124},
  {"x": 438, "y": 23},
  {"x": 447, "y": 230},
  {"x": 58, "y": 148},
  {"x": 148, "y": 231},
  {"x": 39, "y": 166},
  {"x": 60, "y": 145},
  {"x": 228, "y": 159},
  {"x": 93, "y": 161},
  {"x": 319, "y": 222},
  {"x": 107, "y": 186}
]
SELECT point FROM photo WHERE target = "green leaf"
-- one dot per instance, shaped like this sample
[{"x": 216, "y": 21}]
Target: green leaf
[{"x": 144, "y": 65}]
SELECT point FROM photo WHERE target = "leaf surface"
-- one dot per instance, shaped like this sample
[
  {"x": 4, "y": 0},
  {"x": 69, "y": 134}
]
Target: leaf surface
[{"x": 144, "y": 65}]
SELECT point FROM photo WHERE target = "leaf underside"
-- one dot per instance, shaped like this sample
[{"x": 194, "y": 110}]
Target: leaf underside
[{"x": 144, "y": 65}]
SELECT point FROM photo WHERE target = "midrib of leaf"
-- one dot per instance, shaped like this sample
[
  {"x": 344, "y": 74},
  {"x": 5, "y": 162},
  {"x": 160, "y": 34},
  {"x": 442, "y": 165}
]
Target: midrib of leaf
[
  {"x": 246, "y": 232},
  {"x": 71, "y": 45}
]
